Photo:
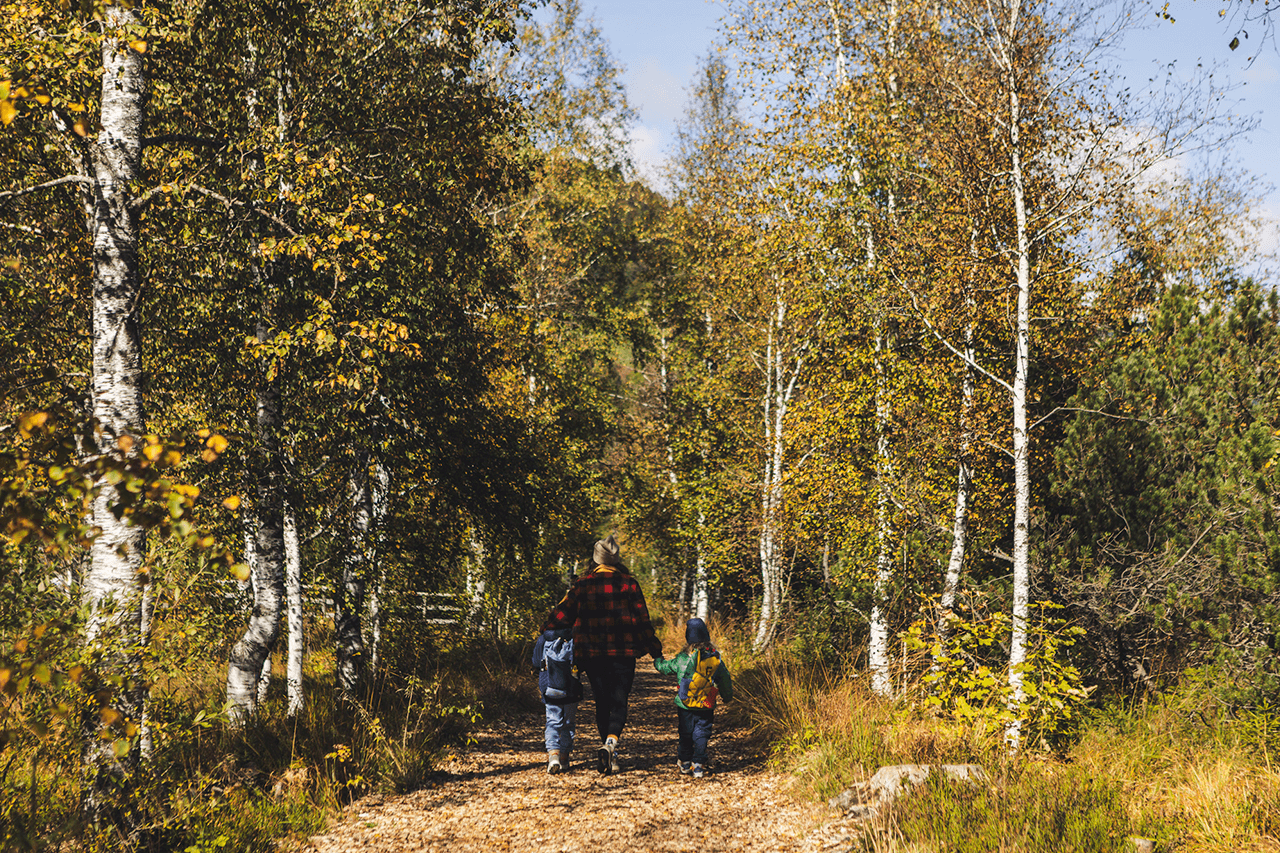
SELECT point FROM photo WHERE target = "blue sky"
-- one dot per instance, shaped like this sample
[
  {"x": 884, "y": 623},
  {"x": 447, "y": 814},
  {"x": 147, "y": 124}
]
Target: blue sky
[{"x": 659, "y": 41}]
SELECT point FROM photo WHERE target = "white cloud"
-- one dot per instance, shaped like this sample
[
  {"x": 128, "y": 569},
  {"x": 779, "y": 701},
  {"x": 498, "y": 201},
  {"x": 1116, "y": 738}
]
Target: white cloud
[
  {"x": 1264, "y": 241},
  {"x": 656, "y": 92},
  {"x": 647, "y": 155}
]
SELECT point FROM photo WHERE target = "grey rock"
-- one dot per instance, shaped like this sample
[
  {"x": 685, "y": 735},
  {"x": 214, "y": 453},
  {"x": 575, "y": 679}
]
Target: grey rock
[
  {"x": 850, "y": 797},
  {"x": 889, "y": 783}
]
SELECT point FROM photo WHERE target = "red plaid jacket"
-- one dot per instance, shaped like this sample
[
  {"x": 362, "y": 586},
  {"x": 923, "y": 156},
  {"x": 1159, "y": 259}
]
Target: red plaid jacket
[{"x": 609, "y": 617}]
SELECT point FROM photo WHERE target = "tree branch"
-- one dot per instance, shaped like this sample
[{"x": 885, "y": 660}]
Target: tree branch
[
  {"x": 166, "y": 138},
  {"x": 1088, "y": 411},
  {"x": 228, "y": 203},
  {"x": 915, "y": 303},
  {"x": 65, "y": 179}
]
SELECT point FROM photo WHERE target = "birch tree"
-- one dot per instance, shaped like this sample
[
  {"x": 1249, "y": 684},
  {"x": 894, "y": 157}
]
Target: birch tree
[
  {"x": 1065, "y": 150},
  {"x": 249, "y": 665},
  {"x": 113, "y": 587},
  {"x": 103, "y": 159}
]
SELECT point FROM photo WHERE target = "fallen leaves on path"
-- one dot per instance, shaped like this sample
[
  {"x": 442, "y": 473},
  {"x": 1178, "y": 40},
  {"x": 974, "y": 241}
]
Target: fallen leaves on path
[{"x": 498, "y": 796}]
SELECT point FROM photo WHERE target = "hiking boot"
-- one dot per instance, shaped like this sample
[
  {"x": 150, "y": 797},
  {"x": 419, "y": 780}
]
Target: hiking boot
[
  {"x": 699, "y": 771},
  {"x": 614, "y": 766},
  {"x": 553, "y": 762},
  {"x": 604, "y": 758},
  {"x": 686, "y": 767}
]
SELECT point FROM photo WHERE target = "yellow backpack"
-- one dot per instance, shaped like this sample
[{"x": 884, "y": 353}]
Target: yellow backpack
[{"x": 699, "y": 690}]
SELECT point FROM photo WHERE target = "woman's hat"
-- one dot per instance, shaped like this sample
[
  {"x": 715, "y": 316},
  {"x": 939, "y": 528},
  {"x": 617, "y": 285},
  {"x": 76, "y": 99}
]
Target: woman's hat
[{"x": 606, "y": 552}]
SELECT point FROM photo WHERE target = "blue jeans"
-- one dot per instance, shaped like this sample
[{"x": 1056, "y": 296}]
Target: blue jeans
[
  {"x": 695, "y": 732},
  {"x": 559, "y": 731}
]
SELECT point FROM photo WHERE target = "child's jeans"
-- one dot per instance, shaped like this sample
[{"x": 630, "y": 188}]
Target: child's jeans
[
  {"x": 695, "y": 732},
  {"x": 559, "y": 732}
]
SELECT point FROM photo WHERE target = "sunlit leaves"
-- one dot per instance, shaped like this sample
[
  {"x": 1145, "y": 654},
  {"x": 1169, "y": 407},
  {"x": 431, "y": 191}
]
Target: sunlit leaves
[{"x": 46, "y": 483}]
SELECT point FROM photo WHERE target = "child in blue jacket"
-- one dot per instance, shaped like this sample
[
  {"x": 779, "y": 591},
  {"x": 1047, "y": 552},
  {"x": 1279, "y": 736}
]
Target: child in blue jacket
[
  {"x": 561, "y": 690},
  {"x": 703, "y": 678}
]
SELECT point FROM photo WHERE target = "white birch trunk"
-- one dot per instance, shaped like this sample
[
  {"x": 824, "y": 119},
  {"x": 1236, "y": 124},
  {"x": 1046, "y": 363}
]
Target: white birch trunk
[
  {"x": 249, "y": 656},
  {"x": 113, "y": 588},
  {"x": 379, "y": 502},
  {"x": 701, "y": 603},
  {"x": 249, "y": 665},
  {"x": 146, "y": 738},
  {"x": 964, "y": 477},
  {"x": 1021, "y": 436},
  {"x": 701, "y": 591},
  {"x": 293, "y": 601},
  {"x": 684, "y": 600},
  {"x": 778, "y": 389},
  {"x": 878, "y": 644},
  {"x": 349, "y": 600},
  {"x": 264, "y": 681}
]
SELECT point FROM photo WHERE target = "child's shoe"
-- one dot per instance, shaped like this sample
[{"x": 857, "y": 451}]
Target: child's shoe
[
  {"x": 686, "y": 767},
  {"x": 699, "y": 771},
  {"x": 553, "y": 762}
]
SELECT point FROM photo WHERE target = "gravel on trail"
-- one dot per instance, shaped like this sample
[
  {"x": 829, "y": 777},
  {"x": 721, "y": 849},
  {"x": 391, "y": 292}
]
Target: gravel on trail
[{"x": 497, "y": 795}]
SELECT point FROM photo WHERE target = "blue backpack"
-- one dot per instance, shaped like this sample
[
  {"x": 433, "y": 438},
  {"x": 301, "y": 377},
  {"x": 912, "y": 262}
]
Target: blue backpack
[{"x": 562, "y": 681}]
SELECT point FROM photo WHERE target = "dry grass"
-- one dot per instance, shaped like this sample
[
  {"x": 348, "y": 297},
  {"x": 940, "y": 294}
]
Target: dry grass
[{"x": 1181, "y": 770}]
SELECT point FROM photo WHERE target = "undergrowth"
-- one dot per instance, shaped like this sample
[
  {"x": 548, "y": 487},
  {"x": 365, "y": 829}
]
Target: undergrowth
[
  {"x": 1180, "y": 768},
  {"x": 206, "y": 790}
]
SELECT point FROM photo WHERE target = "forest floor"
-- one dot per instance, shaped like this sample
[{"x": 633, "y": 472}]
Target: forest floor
[{"x": 497, "y": 796}]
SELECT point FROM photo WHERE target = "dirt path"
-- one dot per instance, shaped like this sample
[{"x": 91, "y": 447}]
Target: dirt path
[{"x": 498, "y": 796}]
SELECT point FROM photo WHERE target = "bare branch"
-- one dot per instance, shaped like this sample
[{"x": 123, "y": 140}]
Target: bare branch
[
  {"x": 65, "y": 179},
  {"x": 166, "y": 138},
  {"x": 1058, "y": 409},
  {"x": 229, "y": 203},
  {"x": 971, "y": 362}
]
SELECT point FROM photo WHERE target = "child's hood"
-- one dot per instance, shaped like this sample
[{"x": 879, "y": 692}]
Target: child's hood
[
  {"x": 557, "y": 634},
  {"x": 695, "y": 632}
]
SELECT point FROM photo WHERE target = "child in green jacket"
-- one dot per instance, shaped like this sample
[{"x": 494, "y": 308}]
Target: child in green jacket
[{"x": 703, "y": 678}]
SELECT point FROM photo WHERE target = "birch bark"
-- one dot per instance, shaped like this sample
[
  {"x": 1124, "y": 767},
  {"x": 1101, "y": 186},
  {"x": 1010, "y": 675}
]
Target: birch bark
[
  {"x": 964, "y": 477},
  {"x": 349, "y": 601},
  {"x": 779, "y": 387},
  {"x": 379, "y": 497},
  {"x": 1003, "y": 44},
  {"x": 701, "y": 591},
  {"x": 249, "y": 663},
  {"x": 251, "y": 651},
  {"x": 113, "y": 588},
  {"x": 878, "y": 644},
  {"x": 293, "y": 599}
]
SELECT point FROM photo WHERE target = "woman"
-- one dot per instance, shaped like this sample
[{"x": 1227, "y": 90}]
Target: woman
[{"x": 611, "y": 628}]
